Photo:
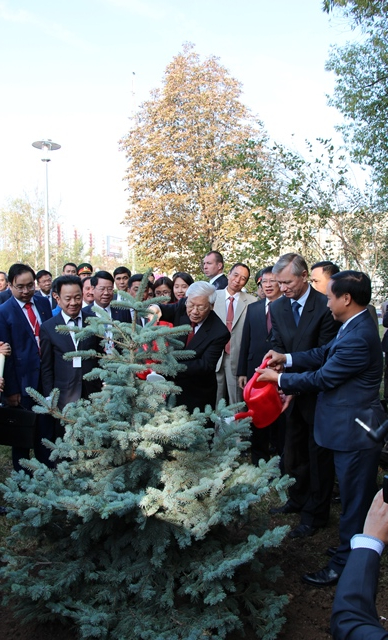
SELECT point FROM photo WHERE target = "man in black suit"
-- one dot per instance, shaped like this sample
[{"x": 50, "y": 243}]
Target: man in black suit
[
  {"x": 103, "y": 287},
  {"x": 21, "y": 319},
  {"x": 354, "y": 612},
  {"x": 213, "y": 267},
  {"x": 44, "y": 281},
  {"x": 255, "y": 342},
  {"x": 67, "y": 375},
  {"x": 301, "y": 321},
  {"x": 208, "y": 339}
]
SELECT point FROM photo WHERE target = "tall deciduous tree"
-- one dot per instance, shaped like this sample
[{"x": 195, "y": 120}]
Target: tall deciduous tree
[
  {"x": 185, "y": 196},
  {"x": 361, "y": 90}
]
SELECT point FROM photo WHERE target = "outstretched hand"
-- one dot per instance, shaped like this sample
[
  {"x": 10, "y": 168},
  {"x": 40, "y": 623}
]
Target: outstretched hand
[{"x": 376, "y": 523}]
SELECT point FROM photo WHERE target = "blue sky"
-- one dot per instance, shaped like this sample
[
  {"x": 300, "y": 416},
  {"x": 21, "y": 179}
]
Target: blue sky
[{"x": 67, "y": 71}]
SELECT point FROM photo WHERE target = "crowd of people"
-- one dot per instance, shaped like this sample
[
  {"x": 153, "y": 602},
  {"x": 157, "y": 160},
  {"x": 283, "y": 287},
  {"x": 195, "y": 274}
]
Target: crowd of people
[{"x": 318, "y": 331}]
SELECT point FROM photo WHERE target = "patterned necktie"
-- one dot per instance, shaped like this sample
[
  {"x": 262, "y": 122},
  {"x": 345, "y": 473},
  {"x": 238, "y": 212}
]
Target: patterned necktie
[
  {"x": 295, "y": 311},
  {"x": 340, "y": 332},
  {"x": 269, "y": 320},
  {"x": 229, "y": 321},
  {"x": 191, "y": 335},
  {"x": 33, "y": 320}
]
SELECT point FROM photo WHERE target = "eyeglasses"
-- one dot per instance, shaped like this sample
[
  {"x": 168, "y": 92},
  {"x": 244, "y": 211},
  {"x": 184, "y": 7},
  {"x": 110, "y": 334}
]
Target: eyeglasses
[
  {"x": 198, "y": 307},
  {"x": 24, "y": 287}
]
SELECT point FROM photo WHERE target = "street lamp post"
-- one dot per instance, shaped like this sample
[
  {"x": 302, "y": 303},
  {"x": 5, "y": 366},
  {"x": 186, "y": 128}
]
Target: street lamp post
[{"x": 46, "y": 146}]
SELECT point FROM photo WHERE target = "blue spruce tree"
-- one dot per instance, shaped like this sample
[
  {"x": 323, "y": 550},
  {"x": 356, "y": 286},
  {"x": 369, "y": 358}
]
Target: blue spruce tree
[{"x": 151, "y": 526}]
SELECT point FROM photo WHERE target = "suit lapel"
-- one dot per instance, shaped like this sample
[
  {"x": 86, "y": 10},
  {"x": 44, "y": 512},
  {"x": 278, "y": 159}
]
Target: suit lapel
[
  {"x": 305, "y": 319},
  {"x": 201, "y": 334},
  {"x": 68, "y": 339},
  {"x": 262, "y": 319},
  {"x": 220, "y": 305},
  {"x": 288, "y": 319},
  {"x": 22, "y": 320},
  {"x": 241, "y": 304}
]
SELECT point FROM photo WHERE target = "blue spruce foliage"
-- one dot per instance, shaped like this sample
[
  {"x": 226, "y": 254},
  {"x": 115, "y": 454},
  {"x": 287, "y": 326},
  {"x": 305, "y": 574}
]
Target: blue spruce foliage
[{"x": 151, "y": 526}]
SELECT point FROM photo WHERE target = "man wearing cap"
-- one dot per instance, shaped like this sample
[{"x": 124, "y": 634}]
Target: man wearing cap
[{"x": 84, "y": 270}]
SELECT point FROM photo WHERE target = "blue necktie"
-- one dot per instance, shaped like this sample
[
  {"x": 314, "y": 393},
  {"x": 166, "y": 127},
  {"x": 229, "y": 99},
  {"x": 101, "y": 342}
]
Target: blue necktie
[{"x": 295, "y": 311}]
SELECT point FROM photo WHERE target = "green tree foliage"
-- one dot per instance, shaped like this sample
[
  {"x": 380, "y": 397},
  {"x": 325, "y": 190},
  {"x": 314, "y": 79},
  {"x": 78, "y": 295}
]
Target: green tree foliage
[
  {"x": 150, "y": 527},
  {"x": 185, "y": 197},
  {"x": 358, "y": 10},
  {"x": 329, "y": 217},
  {"x": 361, "y": 90}
]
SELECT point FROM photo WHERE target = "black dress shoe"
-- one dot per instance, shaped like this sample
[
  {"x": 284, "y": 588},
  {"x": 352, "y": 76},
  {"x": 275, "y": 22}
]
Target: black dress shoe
[
  {"x": 302, "y": 531},
  {"x": 331, "y": 551},
  {"x": 286, "y": 508},
  {"x": 326, "y": 577}
]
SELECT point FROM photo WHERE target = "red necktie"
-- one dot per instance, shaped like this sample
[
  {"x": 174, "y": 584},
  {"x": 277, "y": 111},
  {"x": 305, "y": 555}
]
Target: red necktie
[
  {"x": 191, "y": 335},
  {"x": 229, "y": 321},
  {"x": 269, "y": 320},
  {"x": 33, "y": 321}
]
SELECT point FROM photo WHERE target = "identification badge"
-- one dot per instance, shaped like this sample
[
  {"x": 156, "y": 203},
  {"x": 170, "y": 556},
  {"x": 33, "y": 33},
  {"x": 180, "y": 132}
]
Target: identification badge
[{"x": 77, "y": 362}]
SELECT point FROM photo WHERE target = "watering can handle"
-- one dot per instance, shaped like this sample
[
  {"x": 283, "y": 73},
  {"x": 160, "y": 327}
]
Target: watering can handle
[{"x": 262, "y": 366}]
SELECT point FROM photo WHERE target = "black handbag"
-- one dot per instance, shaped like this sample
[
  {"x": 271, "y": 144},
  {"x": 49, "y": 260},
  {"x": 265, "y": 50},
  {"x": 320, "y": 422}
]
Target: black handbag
[{"x": 17, "y": 426}]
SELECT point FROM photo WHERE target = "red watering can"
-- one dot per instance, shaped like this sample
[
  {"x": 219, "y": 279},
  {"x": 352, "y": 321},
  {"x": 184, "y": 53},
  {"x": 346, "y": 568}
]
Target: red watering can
[{"x": 262, "y": 399}]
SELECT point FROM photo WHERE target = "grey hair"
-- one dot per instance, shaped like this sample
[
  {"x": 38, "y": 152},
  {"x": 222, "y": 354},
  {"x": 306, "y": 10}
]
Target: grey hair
[
  {"x": 297, "y": 261},
  {"x": 202, "y": 288}
]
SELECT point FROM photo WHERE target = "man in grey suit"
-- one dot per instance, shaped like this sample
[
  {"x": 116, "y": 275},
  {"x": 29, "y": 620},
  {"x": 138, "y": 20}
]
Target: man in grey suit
[
  {"x": 301, "y": 321},
  {"x": 231, "y": 307}
]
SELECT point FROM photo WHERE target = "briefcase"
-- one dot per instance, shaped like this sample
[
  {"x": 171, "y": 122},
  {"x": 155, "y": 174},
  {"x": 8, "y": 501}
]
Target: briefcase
[{"x": 17, "y": 426}]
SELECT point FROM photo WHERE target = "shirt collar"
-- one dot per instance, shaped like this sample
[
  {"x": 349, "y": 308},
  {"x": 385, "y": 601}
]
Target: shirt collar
[
  {"x": 68, "y": 318},
  {"x": 302, "y": 299}
]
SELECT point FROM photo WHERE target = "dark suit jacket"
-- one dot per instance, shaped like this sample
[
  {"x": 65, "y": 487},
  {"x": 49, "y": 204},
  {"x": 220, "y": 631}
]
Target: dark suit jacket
[
  {"x": 198, "y": 381},
  {"x": 5, "y": 295},
  {"x": 347, "y": 373},
  {"x": 59, "y": 373},
  {"x": 221, "y": 282},
  {"x": 256, "y": 340},
  {"x": 122, "y": 315},
  {"x": 54, "y": 302},
  {"x": 22, "y": 367},
  {"x": 316, "y": 328},
  {"x": 354, "y": 614}
]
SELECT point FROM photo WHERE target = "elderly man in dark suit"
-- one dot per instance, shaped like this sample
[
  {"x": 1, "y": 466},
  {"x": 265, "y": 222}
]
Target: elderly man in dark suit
[
  {"x": 21, "y": 317},
  {"x": 301, "y": 321},
  {"x": 67, "y": 375},
  {"x": 347, "y": 375},
  {"x": 208, "y": 339}
]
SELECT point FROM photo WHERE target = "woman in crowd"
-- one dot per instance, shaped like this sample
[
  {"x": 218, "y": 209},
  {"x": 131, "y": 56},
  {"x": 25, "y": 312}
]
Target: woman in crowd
[
  {"x": 181, "y": 282},
  {"x": 163, "y": 287}
]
